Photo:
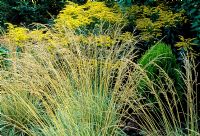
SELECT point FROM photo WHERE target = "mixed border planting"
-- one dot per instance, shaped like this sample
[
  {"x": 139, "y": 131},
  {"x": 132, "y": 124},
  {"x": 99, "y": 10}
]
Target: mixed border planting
[{"x": 99, "y": 68}]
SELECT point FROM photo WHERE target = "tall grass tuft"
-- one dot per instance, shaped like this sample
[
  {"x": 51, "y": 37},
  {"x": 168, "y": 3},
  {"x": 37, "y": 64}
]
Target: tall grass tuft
[{"x": 69, "y": 91}]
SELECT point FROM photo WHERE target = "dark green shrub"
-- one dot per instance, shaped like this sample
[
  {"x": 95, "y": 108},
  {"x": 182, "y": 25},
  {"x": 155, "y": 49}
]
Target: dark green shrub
[
  {"x": 4, "y": 12},
  {"x": 27, "y": 11}
]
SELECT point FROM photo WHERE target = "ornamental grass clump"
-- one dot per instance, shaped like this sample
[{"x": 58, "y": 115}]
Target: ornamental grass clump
[
  {"x": 162, "y": 69},
  {"x": 160, "y": 58},
  {"x": 63, "y": 92}
]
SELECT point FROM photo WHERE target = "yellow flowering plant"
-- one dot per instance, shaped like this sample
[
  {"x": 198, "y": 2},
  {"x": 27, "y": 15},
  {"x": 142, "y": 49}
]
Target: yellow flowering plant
[
  {"x": 91, "y": 18},
  {"x": 185, "y": 43},
  {"x": 21, "y": 36},
  {"x": 74, "y": 16},
  {"x": 17, "y": 35},
  {"x": 151, "y": 21}
]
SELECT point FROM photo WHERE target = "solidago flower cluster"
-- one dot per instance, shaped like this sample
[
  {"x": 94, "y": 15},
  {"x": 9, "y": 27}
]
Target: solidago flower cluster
[
  {"x": 74, "y": 16},
  {"x": 21, "y": 36},
  {"x": 17, "y": 35},
  {"x": 151, "y": 20}
]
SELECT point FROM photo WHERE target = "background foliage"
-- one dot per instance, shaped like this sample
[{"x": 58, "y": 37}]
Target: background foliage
[{"x": 29, "y": 11}]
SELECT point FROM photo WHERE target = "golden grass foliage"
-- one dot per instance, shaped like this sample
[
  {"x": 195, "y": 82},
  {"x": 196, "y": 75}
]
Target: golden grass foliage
[{"x": 68, "y": 91}]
